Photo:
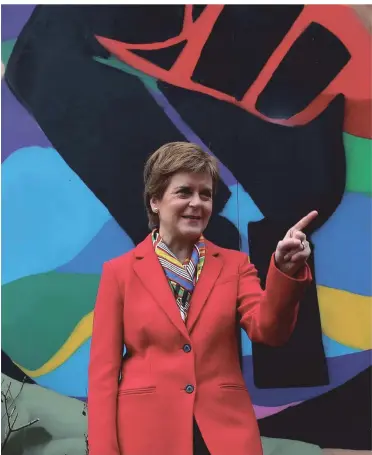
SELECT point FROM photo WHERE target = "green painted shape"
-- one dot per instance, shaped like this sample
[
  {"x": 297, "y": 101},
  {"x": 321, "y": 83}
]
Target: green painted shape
[
  {"x": 118, "y": 64},
  {"x": 358, "y": 152},
  {"x": 274, "y": 446},
  {"x": 6, "y": 50},
  {"x": 39, "y": 312}
]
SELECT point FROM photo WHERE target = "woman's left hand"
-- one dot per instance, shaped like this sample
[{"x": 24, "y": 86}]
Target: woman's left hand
[{"x": 293, "y": 251}]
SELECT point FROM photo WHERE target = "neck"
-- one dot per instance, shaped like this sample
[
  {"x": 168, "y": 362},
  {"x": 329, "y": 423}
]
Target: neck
[{"x": 181, "y": 248}]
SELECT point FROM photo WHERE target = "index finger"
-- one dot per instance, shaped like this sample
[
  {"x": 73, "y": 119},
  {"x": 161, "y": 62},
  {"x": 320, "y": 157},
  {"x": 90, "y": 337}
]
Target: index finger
[{"x": 306, "y": 220}]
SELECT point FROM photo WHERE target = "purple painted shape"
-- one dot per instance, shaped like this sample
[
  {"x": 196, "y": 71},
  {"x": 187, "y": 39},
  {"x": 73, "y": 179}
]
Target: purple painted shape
[
  {"x": 341, "y": 369},
  {"x": 226, "y": 175},
  {"x": 18, "y": 128},
  {"x": 13, "y": 19},
  {"x": 265, "y": 411}
]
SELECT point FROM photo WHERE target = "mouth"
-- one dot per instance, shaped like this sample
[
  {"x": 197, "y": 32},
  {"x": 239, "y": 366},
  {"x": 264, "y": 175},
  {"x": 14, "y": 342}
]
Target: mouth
[{"x": 192, "y": 217}]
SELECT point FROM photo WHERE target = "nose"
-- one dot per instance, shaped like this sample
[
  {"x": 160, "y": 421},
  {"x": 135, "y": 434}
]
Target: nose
[{"x": 195, "y": 200}]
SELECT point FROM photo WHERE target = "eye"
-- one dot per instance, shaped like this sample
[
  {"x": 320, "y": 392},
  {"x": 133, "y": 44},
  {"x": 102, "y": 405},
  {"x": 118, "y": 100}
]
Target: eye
[
  {"x": 206, "y": 195},
  {"x": 184, "y": 192}
]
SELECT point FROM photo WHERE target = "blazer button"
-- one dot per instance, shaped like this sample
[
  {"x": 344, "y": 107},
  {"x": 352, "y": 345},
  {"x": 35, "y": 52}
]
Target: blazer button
[
  {"x": 186, "y": 348},
  {"x": 189, "y": 388}
]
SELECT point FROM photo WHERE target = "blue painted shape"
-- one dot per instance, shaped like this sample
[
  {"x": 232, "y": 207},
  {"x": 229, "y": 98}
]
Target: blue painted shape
[
  {"x": 71, "y": 378},
  {"x": 246, "y": 343},
  {"x": 240, "y": 210},
  {"x": 49, "y": 215},
  {"x": 331, "y": 347},
  {"x": 334, "y": 349},
  {"x": 343, "y": 245},
  {"x": 110, "y": 242},
  {"x": 341, "y": 369}
]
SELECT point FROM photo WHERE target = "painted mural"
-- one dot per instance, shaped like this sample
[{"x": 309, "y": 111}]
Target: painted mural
[{"x": 88, "y": 93}]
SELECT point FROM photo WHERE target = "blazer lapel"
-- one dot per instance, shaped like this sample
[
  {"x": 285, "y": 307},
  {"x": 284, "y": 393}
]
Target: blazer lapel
[
  {"x": 152, "y": 276},
  {"x": 211, "y": 271}
]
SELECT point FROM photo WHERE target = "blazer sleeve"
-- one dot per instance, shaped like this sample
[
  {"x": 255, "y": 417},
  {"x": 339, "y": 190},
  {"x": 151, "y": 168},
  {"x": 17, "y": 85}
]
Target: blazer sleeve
[
  {"x": 104, "y": 366},
  {"x": 270, "y": 316}
]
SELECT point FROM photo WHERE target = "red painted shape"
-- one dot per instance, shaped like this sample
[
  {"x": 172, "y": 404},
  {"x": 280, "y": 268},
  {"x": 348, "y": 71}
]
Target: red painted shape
[{"x": 354, "y": 80}]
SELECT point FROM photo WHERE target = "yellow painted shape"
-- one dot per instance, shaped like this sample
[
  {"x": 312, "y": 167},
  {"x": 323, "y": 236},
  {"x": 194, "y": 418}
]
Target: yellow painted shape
[
  {"x": 346, "y": 317},
  {"x": 80, "y": 335}
]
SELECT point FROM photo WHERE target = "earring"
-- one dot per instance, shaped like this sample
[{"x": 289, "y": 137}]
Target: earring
[{"x": 155, "y": 210}]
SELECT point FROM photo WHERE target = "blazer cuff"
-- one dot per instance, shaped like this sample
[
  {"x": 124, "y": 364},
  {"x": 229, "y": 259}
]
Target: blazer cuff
[{"x": 304, "y": 275}]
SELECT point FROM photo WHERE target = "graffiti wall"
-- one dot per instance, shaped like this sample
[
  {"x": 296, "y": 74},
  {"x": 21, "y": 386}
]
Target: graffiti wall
[{"x": 281, "y": 95}]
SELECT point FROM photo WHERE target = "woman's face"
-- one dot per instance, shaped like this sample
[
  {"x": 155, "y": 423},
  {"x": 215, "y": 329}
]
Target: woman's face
[{"x": 186, "y": 206}]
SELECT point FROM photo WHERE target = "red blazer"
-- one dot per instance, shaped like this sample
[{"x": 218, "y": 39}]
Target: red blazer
[{"x": 173, "y": 371}]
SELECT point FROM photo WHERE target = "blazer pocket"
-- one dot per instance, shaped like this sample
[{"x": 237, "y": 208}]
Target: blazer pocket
[
  {"x": 137, "y": 391},
  {"x": 233, "y": 386}
]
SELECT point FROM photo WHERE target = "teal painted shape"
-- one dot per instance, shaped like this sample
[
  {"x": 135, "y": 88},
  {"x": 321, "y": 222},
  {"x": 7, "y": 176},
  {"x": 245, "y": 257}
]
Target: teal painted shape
[
  {"x": 113, "y": 62},
  {"x": 240, "y": 210},
  {"x": 49, "y": 215}
]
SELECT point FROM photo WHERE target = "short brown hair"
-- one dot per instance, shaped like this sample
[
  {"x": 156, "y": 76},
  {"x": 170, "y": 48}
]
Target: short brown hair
[{"x": 168, "y": 160}]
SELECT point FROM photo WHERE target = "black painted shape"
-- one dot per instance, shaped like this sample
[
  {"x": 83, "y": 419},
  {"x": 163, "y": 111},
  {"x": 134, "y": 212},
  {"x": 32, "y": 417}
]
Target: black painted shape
[
  {"x": 301, "y": 361},
  {"x": 223, "y": 233},
  {"x": 102, "y": 121},
  {"x": 197, "y": 10},
  {"x": 136, "y": 24},
  {"x": 165, "y": 58},
  {"x": 10, "y": 369},
  {"x": 242, "y": 40},
  {"x": 311, "y": 64},
  {"x": 288, "y": 172},
  {"x": 340, "y": 418}
]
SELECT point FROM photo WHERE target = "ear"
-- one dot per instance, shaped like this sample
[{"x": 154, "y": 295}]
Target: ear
[{"x": 154, "y": 204}]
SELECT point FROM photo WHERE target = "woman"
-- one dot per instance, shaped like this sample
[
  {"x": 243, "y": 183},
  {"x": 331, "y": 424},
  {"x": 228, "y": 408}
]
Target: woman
[{"x": 172, "y": 301}]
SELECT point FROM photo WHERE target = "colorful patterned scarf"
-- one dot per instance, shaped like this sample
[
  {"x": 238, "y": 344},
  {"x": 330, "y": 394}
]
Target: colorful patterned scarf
[{"x": 182, "y": 277}]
